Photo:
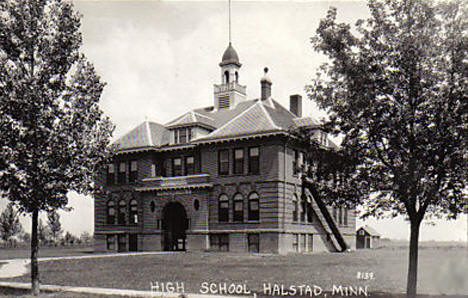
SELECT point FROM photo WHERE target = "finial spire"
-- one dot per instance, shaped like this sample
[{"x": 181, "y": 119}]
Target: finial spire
[{"x": 229, "y": 21}]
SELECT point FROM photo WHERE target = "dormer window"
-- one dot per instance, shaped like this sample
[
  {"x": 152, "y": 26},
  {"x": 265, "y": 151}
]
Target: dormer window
[{"x": 182, "y": 135}]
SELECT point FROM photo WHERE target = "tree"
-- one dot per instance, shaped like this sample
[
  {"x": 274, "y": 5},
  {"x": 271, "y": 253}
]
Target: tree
[
  {"x": 86, "y": 238},
  {"x": 9, "y": 223},
  {"x": 43, "y": 233},
  {"x": 55, "y": 227},
  {"x": 395, "y": 89},
  {"x": 54, "y": 134}
]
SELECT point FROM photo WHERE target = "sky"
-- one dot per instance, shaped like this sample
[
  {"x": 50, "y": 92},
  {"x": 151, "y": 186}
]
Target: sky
[{"x": 160, "y": 59}]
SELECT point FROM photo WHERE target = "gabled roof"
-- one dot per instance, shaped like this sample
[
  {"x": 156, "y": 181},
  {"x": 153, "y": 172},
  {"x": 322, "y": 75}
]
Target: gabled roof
[
  {"x": 249, "y": 118},
  {"x": 306, "y": 121},
  {"x": 222, "y": 116},
  {"x": 147, "y": 134},
  {"x": 192, "y": 118},
  {"x": 252, "y": 121},
  {"x": 370, "y": 231}
]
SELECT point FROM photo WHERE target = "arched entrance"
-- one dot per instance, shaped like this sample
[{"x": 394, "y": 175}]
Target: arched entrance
[{"x": 174, "y": 224}]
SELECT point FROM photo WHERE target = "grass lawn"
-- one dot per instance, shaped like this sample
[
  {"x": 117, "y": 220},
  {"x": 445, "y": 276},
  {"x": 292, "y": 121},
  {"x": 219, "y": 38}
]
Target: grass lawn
[
  {"x": 25, "y": 252},
  {"x": 442, "y": 270}
]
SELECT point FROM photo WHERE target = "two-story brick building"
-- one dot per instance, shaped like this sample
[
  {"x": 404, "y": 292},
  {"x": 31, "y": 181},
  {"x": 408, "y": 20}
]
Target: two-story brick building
[{"x": 224, "y": 177}]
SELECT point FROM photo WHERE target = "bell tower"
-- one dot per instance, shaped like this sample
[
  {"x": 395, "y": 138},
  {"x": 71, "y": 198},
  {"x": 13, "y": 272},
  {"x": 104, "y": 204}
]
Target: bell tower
[{"x": 229, "y": 92}]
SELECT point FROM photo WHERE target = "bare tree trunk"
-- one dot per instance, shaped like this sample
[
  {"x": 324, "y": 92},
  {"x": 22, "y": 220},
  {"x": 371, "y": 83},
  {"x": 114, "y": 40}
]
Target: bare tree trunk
[
  {"x": 413, "y": 259},
  {"x": 34, "y": 251}
]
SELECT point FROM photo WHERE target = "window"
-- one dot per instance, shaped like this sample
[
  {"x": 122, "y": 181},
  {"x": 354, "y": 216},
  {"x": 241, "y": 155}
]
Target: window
[
  {"x": 223, "y": 162},
  {"x": 176, "y": 136},
  {"x": 189, "y": 165},
  {"x": 295, "y": 208},
  {"x": 298, "y": 162},
  {"x": 196, "y": 204},
  {"x": 323, "y": 138},
  {"x": 310, "y": 213},
  {"x": 183, "y": 136},
  {"x": 345, "y": 219},
  {"x": 295, "y": 163},
  {"x": 254, "y": 242},
  {"x": 110, "y": 174},
  {"x": 111, "y": 212},
  {"x": 238, "y": 208},
  {"x": 254, "y": 161},
  {"x": 176, "y": 167},
  {"x": 295, "y": 242},
  {"x": 303, "y": 211},
  {"x": 122, "y": 242},
  {"x": 110, "y": 242},
  {"x": 153, "y": 169},
  {"x": 311, "y": 242},
  {"x": 219, "y": 242},
  {"x": 133, "y": 211},
  {"x": 239, "y": 161},
  {"x": 254, "y": 207},
  {"x": 223, "y": 208},
  {"x": 133, "y": 175},
  {"x": 303, "y": 242},
  {"x": 121, "y": 214},
  {"x": 152, "y": 206},
  {"x": 121, "y": 178}
]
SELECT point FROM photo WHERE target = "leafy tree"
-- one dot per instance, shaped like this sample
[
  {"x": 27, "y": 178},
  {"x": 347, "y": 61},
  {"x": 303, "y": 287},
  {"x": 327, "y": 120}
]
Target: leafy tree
[
  {"x": 53, "y": 132},
  {"x": 9, "y": 223},
  {"x": 55, "y": 227},
  {"x": 395, "y": 88},
  {"x": 70, "y": 239},
  {"x": 86, "y": 238},
  {"x": 25, "y": 237}
]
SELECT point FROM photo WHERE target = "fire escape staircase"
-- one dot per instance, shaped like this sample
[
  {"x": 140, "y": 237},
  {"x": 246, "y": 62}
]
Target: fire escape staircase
[{"x": 337, "y": 238}]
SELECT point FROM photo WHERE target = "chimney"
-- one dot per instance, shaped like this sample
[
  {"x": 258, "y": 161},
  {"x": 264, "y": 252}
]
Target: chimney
[
  {"x": 265, "y": 82},
  {"x": 295, "y": 105}
]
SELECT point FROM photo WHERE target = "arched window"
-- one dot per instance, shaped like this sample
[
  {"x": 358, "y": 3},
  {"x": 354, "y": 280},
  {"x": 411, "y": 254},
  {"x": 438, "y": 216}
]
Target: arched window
[
  {"x": 111, "y": 212},
  {"x": 226, "y": 77},
  {"x": 254, "y": 207},
  {"x": 133, "y": 211},
  {"x": 238, "y": 208},
  {"x": 223, "y": 208},
  {"x": 295, "y": 207},
  {"x": 121, "y": 213},
  {"x": 237, "y": 77}
]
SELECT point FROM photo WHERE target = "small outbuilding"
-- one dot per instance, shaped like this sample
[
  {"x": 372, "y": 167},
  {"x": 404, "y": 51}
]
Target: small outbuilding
[{"x": 367, "y": 237}]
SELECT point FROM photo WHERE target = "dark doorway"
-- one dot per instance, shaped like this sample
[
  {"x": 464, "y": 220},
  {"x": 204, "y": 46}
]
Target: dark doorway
[
  {"x": 174, "y": 224},
  {"x": 133, "y": 242}
]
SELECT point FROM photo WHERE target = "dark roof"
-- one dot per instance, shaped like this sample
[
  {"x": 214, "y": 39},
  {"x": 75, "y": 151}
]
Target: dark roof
[
  {"x": 230, "y": 56},
  {"x": 370, "y": 230}
]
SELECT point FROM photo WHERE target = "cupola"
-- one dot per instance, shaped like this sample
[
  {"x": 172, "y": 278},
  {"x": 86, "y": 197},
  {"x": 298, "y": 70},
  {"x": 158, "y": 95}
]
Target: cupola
[{"x": 229, "y": 92}]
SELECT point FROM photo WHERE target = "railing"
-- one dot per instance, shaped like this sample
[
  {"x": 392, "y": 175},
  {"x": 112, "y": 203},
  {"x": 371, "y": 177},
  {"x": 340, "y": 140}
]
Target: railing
[
  {"x": 177, "y": 181},
  {"x": 229, "y": 87}
]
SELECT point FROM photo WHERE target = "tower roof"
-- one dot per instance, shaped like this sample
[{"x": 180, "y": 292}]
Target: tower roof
[{"x": 230, "y": 56}]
